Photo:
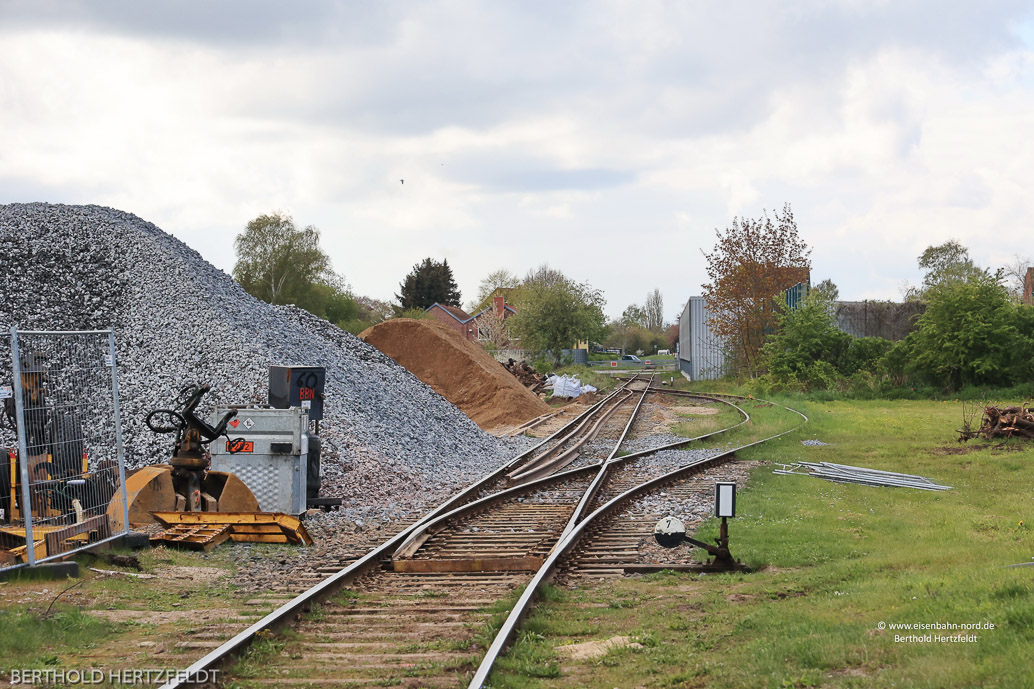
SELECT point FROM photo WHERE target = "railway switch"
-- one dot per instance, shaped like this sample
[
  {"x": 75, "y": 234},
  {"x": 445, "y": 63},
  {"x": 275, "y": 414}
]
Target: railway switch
[{"x": 670, "y": 532}]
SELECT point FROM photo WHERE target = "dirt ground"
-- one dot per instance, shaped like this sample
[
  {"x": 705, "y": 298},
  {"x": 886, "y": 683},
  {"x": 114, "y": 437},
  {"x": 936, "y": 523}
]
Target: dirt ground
[
  {"x": 458, "y": 370},
  {"x": 666, "y": 411},
  {"x": 187, "y": 602}
]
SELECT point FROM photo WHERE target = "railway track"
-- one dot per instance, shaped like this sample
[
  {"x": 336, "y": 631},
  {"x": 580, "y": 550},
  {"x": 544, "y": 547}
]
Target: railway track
[
  {"x": 622, "y": 542},
  {"x": 415, "y": 610},
  {"x": 582, "y": 536}
]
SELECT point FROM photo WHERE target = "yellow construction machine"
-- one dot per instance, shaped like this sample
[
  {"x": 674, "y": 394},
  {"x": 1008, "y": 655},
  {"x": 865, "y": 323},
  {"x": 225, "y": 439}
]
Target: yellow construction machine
[
  {"x": 73, "y": 505},
  {"x": 185, "y": 484}
]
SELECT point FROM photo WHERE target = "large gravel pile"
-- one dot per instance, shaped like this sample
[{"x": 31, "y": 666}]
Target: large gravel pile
[{"x": 390, "y": 442}]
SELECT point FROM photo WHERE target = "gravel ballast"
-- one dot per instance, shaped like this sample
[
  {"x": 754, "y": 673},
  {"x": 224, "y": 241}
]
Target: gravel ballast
[{"x": 391, "y": 444}]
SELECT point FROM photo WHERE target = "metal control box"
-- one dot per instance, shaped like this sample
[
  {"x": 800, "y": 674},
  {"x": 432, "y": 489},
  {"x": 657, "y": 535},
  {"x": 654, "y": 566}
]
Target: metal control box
[
  {"x": 268, "y": 450},
  {"x": 298, "y": 386}
]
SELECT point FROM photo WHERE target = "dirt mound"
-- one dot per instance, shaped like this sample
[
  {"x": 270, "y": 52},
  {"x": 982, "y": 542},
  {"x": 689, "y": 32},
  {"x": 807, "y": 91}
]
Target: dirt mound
[{"x": 458, "y": 370}]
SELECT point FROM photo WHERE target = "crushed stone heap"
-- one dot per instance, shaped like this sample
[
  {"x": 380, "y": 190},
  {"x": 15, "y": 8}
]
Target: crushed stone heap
[
  {"x": 459, "y": 370},
  {"x": 391, "y": 444}
]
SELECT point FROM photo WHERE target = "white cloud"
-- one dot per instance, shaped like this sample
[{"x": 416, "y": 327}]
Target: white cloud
[{"x": 609, "y": 139}]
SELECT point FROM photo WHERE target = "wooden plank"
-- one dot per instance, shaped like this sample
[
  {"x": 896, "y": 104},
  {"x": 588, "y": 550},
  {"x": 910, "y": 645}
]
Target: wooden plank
[
  {"x": 681, "y": 567},
  {"x": 481, "y": 564},
  {"x": 259, "y": 538},
  {"x": 204, "y": 538},
  {"x": 56, "y": 538},
  {"x": 242, "y": 522}
]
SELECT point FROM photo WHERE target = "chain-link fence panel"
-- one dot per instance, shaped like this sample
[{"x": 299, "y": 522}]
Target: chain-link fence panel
[
  {"x": 68, "y": 461},
  {"x": 8, "y": 439}
]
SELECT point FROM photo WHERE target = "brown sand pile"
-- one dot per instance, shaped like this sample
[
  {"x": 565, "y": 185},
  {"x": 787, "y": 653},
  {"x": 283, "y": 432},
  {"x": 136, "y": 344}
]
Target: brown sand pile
[{"x": 458, "y": 370}]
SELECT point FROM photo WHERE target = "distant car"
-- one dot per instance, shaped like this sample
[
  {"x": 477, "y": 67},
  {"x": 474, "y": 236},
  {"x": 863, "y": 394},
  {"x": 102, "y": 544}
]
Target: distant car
[{"x": 630, "y": 357}]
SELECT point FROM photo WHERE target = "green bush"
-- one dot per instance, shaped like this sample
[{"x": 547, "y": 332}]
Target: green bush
[
  {"x": 543, "y": 365},
  {"x": 808, "y": 352},
  {"x": 554, "y": 316},
  {"x": 971, "y": 337},
  {"x": 970, "y": 334},
  {"x": 864, "y": 355}
]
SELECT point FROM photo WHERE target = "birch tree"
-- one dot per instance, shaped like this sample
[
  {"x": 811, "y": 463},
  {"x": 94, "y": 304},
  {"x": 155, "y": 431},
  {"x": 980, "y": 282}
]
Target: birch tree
[{"x": 278, "y": 263}]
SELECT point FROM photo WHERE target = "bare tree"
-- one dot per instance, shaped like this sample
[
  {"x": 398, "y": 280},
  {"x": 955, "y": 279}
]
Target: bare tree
[
  {"x": 544, "y": 276},
  {"x": 654, "y": 311},
  {"x": 497, "y": 279},
  {"x": 493, "y": 329},
  {"x": 1014, "y": 273}
]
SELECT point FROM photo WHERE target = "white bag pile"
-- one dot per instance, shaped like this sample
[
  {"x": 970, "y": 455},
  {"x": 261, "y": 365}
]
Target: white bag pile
[{"x": 567, "y": 386}]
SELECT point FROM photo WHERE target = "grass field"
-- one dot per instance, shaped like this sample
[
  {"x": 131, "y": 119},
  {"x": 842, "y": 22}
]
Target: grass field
[
  {"x": 116, "y": 622},
  {"x": 834, "y": 563}
]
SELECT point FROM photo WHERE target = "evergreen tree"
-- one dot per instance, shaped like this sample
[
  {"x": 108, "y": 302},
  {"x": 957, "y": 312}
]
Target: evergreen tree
[{"x": 428, "y": 283}]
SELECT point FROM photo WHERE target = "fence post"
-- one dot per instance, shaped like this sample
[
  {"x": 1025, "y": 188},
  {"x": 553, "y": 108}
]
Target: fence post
[
  {"x": 23, "y": 450},
  {"x": 118, "y": 432}
]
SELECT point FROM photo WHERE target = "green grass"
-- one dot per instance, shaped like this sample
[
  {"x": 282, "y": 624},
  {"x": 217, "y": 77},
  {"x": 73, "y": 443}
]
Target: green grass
[
  {"x": 766, "y": 419},
  {"x": 75, "y": 634},
  {"x": 33, "y": 641},
  {"x": 834, "y": 561},
  {"x": 259, "y": 654},
  {"x": 499, "y": 610}
]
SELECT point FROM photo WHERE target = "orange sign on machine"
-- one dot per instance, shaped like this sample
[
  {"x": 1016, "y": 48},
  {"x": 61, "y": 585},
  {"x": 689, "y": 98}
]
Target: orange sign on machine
[{"x": 238, "y": 445}]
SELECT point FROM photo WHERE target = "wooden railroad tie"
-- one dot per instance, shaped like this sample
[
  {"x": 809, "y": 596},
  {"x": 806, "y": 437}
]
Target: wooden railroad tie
[{"x": 479, "y": 564}]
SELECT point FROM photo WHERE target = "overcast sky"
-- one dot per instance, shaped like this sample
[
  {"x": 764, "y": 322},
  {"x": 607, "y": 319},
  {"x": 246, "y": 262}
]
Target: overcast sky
[{"x": 609, "y": 139}]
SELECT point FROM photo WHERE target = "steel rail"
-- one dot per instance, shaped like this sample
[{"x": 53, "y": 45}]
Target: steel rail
[
  {"x": 536, "y": 467},
  {"x": 528, "y": 425},
  {"x": 509, "y": 466},
  {"x": 523, "y": 605},
  {"x": 686, "y": 441},
  {"x": 423, "y": 532},
  {"x": 583, "y": 419},
  {"x": 597, "y": 481},
  {"x": 533, "y": 468},
  {"x": 329, "y": 586},
  {"x": 420, "y": 533},
  {"x": 594, "y": 487},
  {"x": 631, "y": 420}
]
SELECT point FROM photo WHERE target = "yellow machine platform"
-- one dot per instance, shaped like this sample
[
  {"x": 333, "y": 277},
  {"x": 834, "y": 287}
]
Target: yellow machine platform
[{"x": 205, "y": 530}]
